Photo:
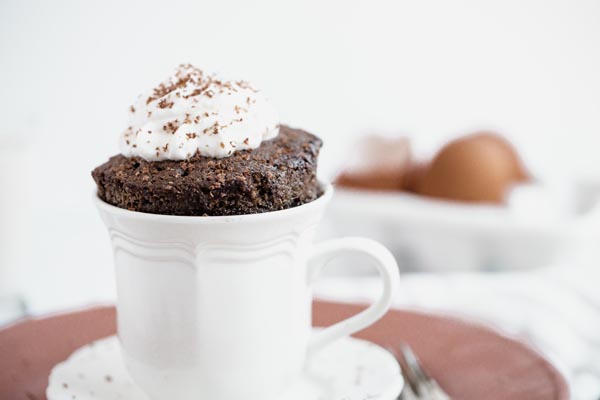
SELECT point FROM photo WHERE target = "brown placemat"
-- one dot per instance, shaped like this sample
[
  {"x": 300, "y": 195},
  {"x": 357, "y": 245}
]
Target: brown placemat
[{"x": 470, "y": 362}]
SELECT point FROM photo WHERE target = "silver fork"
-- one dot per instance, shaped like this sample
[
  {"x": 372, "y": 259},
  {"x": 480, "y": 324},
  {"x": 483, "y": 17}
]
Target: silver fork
[{"x": 418, "y": 385}]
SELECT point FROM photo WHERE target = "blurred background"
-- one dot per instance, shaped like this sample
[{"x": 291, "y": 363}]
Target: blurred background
[{"x": 428, "y": 71}]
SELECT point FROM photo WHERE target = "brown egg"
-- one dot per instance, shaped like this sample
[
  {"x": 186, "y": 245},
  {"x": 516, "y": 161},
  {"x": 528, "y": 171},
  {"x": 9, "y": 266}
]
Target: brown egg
[
  {"x": 476, "y": 168},
  {"x": 378, "y": 163}
]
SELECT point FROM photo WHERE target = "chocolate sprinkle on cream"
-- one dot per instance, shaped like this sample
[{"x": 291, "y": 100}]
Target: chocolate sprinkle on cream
[{"x": 192, "y": 101}]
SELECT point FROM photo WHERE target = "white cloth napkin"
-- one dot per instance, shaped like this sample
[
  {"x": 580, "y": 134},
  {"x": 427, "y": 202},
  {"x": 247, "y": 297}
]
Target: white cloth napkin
[{"x": 555, "y": 310}]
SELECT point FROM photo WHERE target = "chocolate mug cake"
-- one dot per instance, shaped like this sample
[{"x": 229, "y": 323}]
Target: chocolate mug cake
[
  {"x": 201, "y": 146},
  {"x": 213, "y": 307}
]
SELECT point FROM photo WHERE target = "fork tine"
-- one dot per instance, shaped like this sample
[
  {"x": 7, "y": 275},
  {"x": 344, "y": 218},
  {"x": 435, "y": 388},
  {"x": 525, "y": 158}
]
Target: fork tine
[
  {"x": 428, "y": 387},
  {"x": 414, "y": 387},
  {"x": 409, "y": 376},
  {"x": 413, "y": 363}
]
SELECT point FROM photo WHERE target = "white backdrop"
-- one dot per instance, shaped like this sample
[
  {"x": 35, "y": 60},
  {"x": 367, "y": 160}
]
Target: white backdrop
[{"x": 429, "y": 69}]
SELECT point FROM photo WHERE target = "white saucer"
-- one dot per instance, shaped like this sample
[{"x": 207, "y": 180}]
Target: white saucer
[{"x": 349, "y": 369}]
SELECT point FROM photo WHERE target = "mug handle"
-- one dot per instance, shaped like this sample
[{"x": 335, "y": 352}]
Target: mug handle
[{"x": 388, "y": 270}]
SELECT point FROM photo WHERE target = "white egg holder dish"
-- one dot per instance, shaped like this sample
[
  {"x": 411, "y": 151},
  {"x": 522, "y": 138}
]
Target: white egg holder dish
[{"x": 536, "y": 226}]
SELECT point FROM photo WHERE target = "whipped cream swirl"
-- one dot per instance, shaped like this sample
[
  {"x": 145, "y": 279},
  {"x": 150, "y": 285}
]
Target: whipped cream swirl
[{"x": 193, "y": 112}]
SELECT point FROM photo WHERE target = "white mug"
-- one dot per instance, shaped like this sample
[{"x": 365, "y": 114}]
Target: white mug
[{"x": 220, "y": 307}]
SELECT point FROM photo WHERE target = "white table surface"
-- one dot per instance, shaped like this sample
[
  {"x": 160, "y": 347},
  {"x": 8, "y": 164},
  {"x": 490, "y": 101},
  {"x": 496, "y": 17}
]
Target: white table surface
[{"x": 556, "y": 310}]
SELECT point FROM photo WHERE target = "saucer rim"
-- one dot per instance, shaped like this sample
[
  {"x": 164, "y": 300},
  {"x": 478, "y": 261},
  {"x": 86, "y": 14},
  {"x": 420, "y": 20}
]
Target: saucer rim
[{"x": 388, "y": 393}]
